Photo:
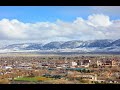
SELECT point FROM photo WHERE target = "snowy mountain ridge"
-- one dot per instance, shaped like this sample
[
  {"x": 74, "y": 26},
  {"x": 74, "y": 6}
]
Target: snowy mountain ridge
[{"x": 104, "y": 45}]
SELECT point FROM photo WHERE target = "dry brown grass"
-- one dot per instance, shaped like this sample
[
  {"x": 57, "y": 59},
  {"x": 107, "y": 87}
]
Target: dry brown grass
[
  {"x": 4, "y": 81},
  {"x": 59, "y": 81}
]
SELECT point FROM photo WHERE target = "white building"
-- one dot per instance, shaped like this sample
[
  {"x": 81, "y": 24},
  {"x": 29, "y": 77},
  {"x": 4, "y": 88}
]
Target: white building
[
  {"x": 73, "y": 64},
  {"x": 7, "y": 67}
]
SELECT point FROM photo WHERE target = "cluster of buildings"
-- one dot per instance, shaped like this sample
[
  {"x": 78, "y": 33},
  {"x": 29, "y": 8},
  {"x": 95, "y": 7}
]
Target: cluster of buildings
[{"x": 102, "y": 69}]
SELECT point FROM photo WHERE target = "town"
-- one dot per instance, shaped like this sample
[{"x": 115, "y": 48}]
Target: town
[{"x": 60, "y": 69}]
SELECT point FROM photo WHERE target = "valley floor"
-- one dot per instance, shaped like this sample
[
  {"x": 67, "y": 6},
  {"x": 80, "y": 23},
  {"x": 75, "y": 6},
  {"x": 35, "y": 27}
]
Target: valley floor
[{"x": 27, "y": 68}]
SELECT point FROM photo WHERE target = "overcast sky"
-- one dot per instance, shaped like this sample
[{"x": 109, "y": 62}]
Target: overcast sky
[{"x": 59, "y": 23}]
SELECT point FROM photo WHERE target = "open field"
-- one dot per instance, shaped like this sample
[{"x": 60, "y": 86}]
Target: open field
[
  {"x": 32, "y": 79},
  {"x": 35, "y": 54}
]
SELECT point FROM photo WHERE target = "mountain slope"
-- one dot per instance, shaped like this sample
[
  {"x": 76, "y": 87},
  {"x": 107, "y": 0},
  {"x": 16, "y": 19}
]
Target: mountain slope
[
  {"x": 69, "y": 46},
  {"x": 24, "y": 46},
  {"x": 52, "y": 45}
]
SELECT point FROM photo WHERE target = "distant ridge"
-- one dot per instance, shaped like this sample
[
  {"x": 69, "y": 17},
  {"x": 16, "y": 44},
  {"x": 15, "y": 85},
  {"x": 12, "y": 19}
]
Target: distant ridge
[{"x": 93, "y": 46}]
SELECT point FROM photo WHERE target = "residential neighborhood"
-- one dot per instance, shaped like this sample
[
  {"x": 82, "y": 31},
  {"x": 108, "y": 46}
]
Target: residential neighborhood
[{"x": 77, "y": 69}]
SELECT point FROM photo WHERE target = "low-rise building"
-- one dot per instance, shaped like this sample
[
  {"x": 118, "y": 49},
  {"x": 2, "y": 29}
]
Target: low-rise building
[{"x": 91, "y": 77}]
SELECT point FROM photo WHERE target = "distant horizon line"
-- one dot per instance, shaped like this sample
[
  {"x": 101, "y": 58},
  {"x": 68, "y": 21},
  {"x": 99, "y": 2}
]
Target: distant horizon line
[{"x": 61, "y": 40}]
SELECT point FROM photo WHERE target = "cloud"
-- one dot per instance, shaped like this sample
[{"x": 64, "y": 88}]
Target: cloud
[
  {"x": 12, "y": 29},
  {"x": 97, "y": 26},
  {"x": 99, "y": 20}
]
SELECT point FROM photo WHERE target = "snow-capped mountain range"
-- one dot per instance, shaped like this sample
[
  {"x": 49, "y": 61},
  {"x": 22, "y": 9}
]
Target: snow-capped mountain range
[{"x": 65, "y": 46}]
